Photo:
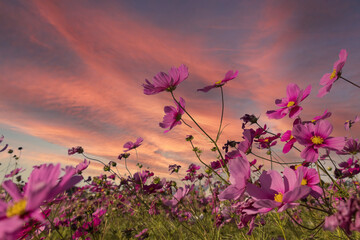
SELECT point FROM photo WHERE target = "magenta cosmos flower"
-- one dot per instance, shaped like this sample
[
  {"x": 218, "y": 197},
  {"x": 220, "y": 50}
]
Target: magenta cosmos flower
[
  {"x": 230, "y": 75},
  {"x": 43, "y": 185},
  {"x": 329, "y": 78},
  {"x": 130, "y": 145},
  {"x": 172, "y": 116},
  {"x": 290, "y": 104},
  {"x": 316, "y": 136},
  {"x": 310, "y": 179},
  {"x": 164, "y": 82},
  {"x": 276, "y": 192},
  {"x": 289, "y": 139},
  {"x": 239, "y": 169}
]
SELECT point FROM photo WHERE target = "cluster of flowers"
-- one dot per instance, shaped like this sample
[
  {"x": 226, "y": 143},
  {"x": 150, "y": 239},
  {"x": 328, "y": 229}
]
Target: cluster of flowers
[{"x": 233, "y": 189}]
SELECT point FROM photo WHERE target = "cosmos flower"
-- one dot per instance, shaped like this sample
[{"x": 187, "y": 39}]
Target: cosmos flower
[
  {"x": 310, "y": 179},
  {"x": 164, "y": 82},
  {"x": 43, "y": 185},
  {"x": 180, "y": 194},
  {"x": 352, "y": 146},
  {"x": 346, "y": 217},
  {"x": 329, "y": 78},
  {"x": 173, "y": 116},
  {"x": 276, "y": 192},
  {"x": 290, "y": 141},
  {"x": 228, "y": 76},
  {"x": 290, "y": 104},
  {"x": 82, "y": 166},
  {"x": 174, "y": 168},
  {"x": 239, "y": 169},
  {"x": 74, "y": 150},
  {"x": 14, "y": 172},
  {"x": 130, "y": 145},
  {"x": 348, "y": 124},
  {"x": 316, "y": 136}
]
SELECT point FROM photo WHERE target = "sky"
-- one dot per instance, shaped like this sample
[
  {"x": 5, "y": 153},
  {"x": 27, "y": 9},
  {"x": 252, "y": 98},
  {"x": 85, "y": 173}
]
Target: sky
[{"x": 72, "y": 73}]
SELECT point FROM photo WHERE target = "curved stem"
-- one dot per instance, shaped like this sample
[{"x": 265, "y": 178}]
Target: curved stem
[
  {"x": 222, "y": 113},
  {"x": 197, "y": 155},
  {"x": 274, "y": 161},
  {"x": 127, "y": 168},
  {"x": 182, "y": 120},
  {"x": 307, "y": 228},
  {"x": 212, "y": 140},
  {"x": 94, "y": 159},
  {"x": 350, "y": 82}
]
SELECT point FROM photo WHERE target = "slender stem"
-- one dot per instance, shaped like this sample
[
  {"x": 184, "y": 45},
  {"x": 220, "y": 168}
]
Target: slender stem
[
  {"x": 265, "y": 129},
  {"x": 212, "y": 140},
  {"x": 94, "y": 159},
  {"x": 274, "y": 161},
  {"x": 182, "y": 120},
  {"x": 197, "y": 155},
  {"x": 326, "y": 172},
  {"x": 350, "y": 82},
  {"x": 222, "y": 113},
  {"x": 279, "y": 223},
  {"x": 318, "y": 209},
  {"x": 52, "y": 224},
  {"x": 307, "y": 228},
  {"x": 127, "y": 168}
]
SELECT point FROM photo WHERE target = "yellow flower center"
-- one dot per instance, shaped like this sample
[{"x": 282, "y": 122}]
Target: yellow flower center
[
  {"x": 296, "y": 167},
  {"x": 313, "y": 120},
  {"x": 18, "y": 208},
  {"x": 333, "y": 74},
  {"x": 218, "y": 82},
  {"x": 291, "y": 137},
  {"x": 290, "y": 104},
  {"x": 278, "y": 197},
  {"x": 304, "y": 182},
  {"x": 317, "y": 140}
]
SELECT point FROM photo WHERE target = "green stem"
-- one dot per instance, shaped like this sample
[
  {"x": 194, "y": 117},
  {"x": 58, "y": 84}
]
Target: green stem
[
  {"x": 274, "y": 161},
  {"x": 197, "y": 155},
  {"x": 222, "y": 113},
  {"x": 212, "y": 140},
  {"x": 307, "y": 228},
  {"x": 96, "y": 160}
]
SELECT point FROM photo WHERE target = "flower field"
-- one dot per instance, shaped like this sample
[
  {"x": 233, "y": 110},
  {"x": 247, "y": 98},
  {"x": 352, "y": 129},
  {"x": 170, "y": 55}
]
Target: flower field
[{"x": 235, "y": 196}]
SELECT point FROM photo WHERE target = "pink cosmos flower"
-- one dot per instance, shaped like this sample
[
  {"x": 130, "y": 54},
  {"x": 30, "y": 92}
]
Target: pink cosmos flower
[
  {"x": 290, "y": 141},
  {"x": 180, "y": 194},
  {"x": 347, "y": 216},
  {"x": 82, "y": 166},
  {"x": 164, "y": 82},
  {"x": 325, "y": 115},
  {"x": 239, "y": 169},
  {"x": 74, "y": 150},
  {"x": 228, "y": 76},
  {"x": 316, "y": 136},
  {"x": 352, "y": 146},
  {"x": 43, "y": 185},
  {"x": 14, "y": 172},
  {"x": 276, "y": 192},
  {"x": 311, "y": 179},
  {"x": 130, "y": 145},
  {"x": 329, "y": 78},
  {"x": 349, "y": 168},
  {"x": 173, "y": 116},
  {"x": 290, "y": 104},
  {"x": 348, "y": 124}
]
